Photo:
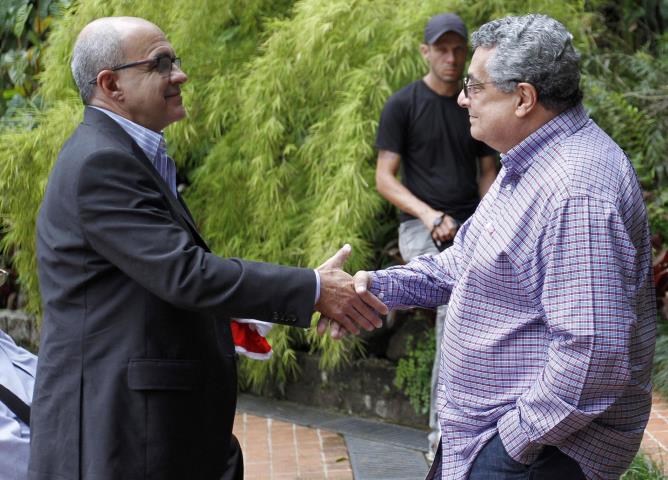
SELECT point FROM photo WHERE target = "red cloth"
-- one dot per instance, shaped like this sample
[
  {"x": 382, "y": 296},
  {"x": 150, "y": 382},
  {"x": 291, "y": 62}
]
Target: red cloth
[{"x": 249, "y": 340}]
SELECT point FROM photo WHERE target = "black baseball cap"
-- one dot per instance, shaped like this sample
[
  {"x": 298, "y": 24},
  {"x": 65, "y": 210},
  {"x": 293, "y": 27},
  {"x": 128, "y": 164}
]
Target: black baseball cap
[{"x": 443, "y": 23}]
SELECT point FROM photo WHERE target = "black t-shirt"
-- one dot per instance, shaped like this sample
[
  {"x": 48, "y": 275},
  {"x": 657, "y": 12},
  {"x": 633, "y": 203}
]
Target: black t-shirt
[{"x": 438, "y": 155}]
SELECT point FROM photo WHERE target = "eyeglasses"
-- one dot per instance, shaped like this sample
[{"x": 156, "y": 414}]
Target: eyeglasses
[
  {"x": 3, "y": 276},
  {"x": 472, "y": 87},
  {"x": 469, "y": 87},
  {"x": 163, "y": 64}
]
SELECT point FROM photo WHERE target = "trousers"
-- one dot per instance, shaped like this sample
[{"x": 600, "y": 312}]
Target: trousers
[
  {"x": 415, "y": 240},
  {"x": 494, "y": 463}
]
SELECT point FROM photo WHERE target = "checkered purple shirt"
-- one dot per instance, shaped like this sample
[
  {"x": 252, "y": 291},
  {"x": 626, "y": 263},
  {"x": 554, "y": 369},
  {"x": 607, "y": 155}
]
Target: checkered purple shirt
[{"x": 550, "y": 329}]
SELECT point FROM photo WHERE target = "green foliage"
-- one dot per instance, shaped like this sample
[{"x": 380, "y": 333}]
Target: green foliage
[
  {"x": 644, "y": 468},
  {"x": 253, "y": 374},
  {"x": 629, "y": 25},
  {"x": 24, "y": 25},
  {"x": 283, "y": 367},
  {"x": 27, "y": 158},
  {"x": 413, "y": 374},
  {"x": 627, "y": 94}
]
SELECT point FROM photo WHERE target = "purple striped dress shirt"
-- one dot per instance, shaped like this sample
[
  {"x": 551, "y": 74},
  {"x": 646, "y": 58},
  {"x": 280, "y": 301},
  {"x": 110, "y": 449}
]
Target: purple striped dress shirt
[{"x": 550, "y": 329}]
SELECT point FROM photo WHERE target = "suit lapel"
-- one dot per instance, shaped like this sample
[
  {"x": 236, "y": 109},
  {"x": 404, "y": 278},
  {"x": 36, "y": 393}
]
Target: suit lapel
[
  {"x": 189, "y": 219},
  {"x": 178, "y": 208}
]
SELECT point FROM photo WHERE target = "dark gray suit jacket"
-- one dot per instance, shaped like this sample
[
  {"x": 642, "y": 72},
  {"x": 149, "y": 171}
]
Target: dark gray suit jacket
[{"x": 136, "y": 376}]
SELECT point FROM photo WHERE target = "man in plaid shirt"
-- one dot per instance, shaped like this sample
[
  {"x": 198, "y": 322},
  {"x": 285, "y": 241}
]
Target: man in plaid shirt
[{"x": 549, "y": 335}]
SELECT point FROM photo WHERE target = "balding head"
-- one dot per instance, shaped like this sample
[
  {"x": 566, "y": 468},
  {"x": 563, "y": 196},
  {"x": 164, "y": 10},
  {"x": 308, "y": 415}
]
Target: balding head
[{"x": 100, "y": 46}]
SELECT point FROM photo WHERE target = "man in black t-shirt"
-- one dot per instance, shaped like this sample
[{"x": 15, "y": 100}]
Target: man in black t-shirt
[{"x": 444, "y": 171}]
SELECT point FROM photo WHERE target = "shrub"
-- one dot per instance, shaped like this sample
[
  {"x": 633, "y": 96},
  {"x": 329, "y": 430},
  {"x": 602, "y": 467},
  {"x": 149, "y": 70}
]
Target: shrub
[{"x": 413, "y": 374}]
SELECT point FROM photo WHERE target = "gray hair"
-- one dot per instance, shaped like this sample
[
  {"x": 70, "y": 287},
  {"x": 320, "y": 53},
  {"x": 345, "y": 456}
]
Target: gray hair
[
  {"x": 535, "y": 49},
  {"x": 98, "y": 47}
]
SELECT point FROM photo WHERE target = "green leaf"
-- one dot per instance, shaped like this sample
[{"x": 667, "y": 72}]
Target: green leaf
[
  {"x": 7, "y": 7},
  {"x": 17, "y": 70},
  {"x": 21, "y": 18},
  {"x": 229, "y": 33},
  {"x": 9, "y": 93},
  {"x": 34, "y": 38},
  {"x": 44, "y": 7}
]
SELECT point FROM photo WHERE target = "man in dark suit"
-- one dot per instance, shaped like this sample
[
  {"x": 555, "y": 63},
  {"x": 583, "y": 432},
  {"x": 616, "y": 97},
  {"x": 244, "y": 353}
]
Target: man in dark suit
[{"x": 136, "y": 376}]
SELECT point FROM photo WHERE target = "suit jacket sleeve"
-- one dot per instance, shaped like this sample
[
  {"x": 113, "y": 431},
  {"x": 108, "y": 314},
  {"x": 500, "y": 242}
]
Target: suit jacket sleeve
[{"x": 125, "y": 219}]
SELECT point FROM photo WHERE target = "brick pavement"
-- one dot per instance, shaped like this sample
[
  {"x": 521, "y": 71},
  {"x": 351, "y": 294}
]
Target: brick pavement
[
  {"x": 276, "y": 450},
  {"x": 369, "y": 449},
  {"x": 655, "y": 440}
]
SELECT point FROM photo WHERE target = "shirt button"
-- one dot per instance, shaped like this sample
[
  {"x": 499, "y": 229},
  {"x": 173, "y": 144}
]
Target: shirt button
[
  {"x": 381, "y": 295},
  {"x": 509, "y": 187},
  {"x": 489, "y": 227}
]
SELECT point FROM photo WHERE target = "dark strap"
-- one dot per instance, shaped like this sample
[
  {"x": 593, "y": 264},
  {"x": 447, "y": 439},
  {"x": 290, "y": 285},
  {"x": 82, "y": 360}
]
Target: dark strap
[
  {"x": 436, "y": 467},
  {"x": 15, "y": 404}
]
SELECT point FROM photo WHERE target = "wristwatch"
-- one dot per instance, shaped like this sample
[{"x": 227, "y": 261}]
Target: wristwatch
[{"x": 438, "y": 220}]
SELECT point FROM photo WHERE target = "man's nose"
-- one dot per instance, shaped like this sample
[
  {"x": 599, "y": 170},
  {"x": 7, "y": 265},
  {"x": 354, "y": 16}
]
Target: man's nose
[
  {"x": 462, "y": 100},
  {"x": 178, "y": 76}
]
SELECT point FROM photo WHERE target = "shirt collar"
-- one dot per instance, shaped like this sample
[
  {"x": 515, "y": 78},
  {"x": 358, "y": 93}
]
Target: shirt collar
[
  {"x": 518, "y": 159},
  {"x": 149, "y": 141}
]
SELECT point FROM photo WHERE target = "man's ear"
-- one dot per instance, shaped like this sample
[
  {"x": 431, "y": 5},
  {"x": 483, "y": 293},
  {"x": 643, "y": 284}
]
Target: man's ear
[
  {"x": 424, "y": 50},
  {"x": 527, "y": 99},
  {"x": 107, "y": 85}
]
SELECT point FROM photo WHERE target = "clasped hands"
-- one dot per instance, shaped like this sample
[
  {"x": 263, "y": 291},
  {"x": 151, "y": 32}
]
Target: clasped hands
[{"x": 345, "y": 303}]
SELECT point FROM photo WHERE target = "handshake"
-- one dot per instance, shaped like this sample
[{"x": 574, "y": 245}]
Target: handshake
[{"x": 345, "y": 303}]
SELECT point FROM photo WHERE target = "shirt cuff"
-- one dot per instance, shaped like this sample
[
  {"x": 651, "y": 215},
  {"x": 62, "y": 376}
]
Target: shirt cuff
[
  {"x": 378, "y": 284},
  {"x": 317, "y": 286},
  {"x": 515, "y": 440}
]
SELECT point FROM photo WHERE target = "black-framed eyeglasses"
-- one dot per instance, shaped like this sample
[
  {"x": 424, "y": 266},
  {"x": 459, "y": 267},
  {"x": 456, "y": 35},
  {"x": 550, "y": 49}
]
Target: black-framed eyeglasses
[
  {"x": 163, "y": 64},
  {"x": 4, "y": 274},
  {"x": 472, "y": 87}
]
